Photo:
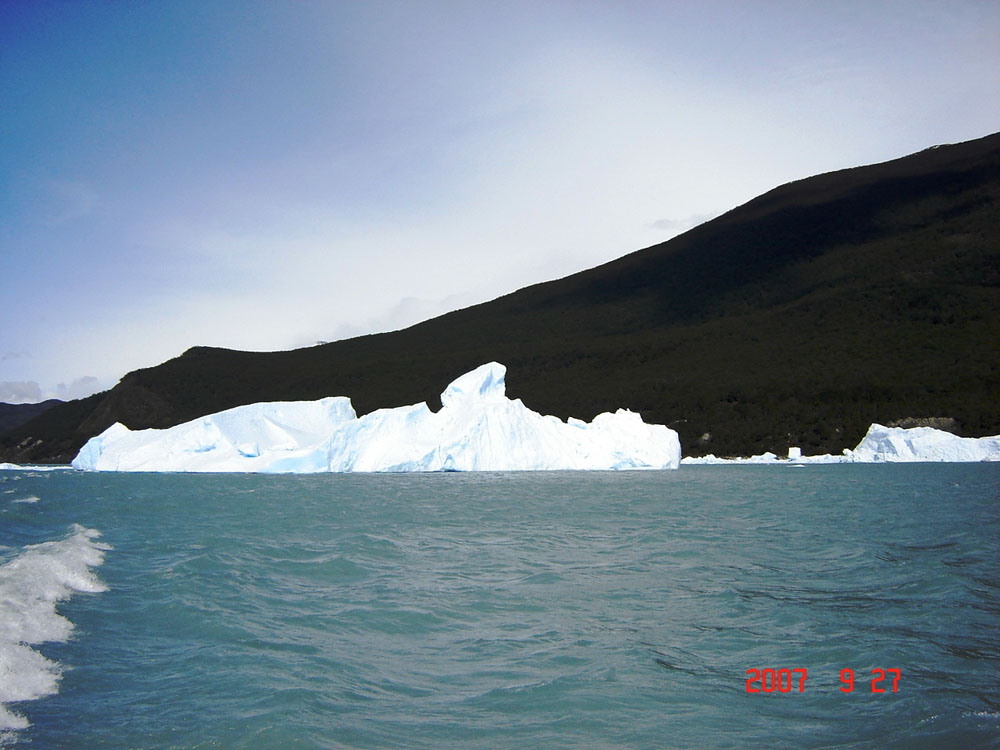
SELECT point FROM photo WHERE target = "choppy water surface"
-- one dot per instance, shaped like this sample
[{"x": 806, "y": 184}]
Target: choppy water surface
[{"x": 568, "y": 610}]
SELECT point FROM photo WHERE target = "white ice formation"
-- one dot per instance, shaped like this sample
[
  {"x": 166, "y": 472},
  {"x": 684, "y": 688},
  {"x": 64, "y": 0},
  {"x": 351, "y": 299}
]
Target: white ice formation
[
  {"x": 765, "y": 459},
  {"x": 896, "y": 444},
  {"x": 32, "y": 467},
  {"x": 477, "y": 429},
  {"x": 884, "y": 445}
]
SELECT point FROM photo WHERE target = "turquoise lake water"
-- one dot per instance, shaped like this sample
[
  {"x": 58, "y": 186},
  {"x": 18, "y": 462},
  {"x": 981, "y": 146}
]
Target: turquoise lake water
[{"x": 550, "y": 610}]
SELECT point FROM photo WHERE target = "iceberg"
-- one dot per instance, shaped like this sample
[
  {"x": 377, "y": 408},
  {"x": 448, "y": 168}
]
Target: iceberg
[
  {"x": 477, "y": 429},
  {"x": 763, "y": 459},
  {"x": 898, "y": 444},
  {"x": 882, "y": 445}
]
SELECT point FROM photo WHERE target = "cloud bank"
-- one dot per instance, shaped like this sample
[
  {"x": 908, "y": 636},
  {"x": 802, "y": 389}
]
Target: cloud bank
[{"x": 30, "y": 392}]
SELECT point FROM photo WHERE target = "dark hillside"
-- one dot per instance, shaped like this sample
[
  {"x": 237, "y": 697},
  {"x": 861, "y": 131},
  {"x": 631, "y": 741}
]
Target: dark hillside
[
  {"x": 869, "y": 294},
  {"x": 14, "y": 415}
]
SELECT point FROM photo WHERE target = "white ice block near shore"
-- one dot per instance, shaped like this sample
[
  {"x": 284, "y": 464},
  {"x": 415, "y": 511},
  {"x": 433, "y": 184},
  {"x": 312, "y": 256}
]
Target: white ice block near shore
[
  {"x": 883, "y": 445},
  {"x": 477, "y": 429},
  {"x": 764, "y": 459},
  {"x": 33, "y": 467},
  {"x": 896, "y": 444}
]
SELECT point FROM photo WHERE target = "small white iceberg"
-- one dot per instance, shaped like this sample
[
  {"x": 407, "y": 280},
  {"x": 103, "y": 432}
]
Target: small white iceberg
[
  {"x": 882, "y": 445},
  {"x": 33, "y": 467},
  {"x": 477, "y": 429}
]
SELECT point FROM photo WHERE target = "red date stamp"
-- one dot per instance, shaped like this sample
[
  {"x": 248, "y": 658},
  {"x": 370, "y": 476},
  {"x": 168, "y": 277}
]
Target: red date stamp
[{"x": 789, "y": 680}]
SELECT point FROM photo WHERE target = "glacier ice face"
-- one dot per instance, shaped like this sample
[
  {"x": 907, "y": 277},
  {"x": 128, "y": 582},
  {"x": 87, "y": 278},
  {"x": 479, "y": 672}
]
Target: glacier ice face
[
  {"x": 477, "y": 429},
  {"x": 897, "y": 444}
]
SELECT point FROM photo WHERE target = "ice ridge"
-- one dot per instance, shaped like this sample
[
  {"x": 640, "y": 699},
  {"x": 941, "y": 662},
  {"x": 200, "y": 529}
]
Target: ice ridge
[{"x": 477, "y": 429}]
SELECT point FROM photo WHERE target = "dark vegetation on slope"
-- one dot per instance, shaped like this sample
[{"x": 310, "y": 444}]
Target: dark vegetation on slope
[
  {"x": 864, "y": 295},
  {"x": 15, "y": 415}
]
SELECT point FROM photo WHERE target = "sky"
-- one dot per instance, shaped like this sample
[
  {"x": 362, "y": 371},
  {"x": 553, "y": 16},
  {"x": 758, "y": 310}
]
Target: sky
[{"x": 268, "y": 175}]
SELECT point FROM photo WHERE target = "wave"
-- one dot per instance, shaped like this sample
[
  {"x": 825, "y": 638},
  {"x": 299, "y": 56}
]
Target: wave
[{"x": 31, "y": 584}]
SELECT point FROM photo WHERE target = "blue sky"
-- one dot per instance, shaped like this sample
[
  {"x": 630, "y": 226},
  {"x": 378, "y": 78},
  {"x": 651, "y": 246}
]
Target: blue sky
[{"x": 265, "y": 175}]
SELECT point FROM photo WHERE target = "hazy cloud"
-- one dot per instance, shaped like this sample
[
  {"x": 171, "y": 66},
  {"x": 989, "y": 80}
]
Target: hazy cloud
[
  {"x": 20, "y": 392},
  {"x": 79, "y": 388},
  {"x": 30, "y": 392},
  {"x": 676, "y": 226},
  {"x": 408, "y": 312},
  {"x": 69, "y": 200}
]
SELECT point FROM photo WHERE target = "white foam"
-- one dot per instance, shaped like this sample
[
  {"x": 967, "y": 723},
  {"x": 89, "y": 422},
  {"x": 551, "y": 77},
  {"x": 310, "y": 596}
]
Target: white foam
[
  {"x": 28, "y": 499},
  {"x": 31, "y": 584}
]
